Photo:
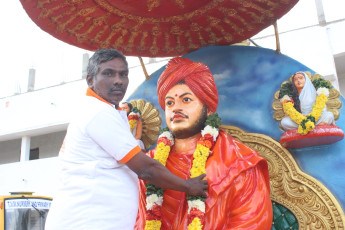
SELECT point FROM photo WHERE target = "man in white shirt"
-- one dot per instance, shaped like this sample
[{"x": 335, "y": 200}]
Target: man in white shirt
[{"x": 100, "y": 160}]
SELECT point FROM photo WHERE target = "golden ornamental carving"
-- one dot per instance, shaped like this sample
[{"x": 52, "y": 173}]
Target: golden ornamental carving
[
  {"x": 151, "y": 119},
  {"x": 333, "y": 104},
  {"x": 311, "y": 202}
]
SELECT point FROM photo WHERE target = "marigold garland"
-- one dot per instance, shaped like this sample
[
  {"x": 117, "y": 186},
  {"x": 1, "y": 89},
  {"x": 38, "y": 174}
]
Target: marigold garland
[
  {"x": 306, "y": 123},
  {"x": 195, "y": 225},
  {"x": 133, "y": 117},
  {"x": 196, "y": 204}
]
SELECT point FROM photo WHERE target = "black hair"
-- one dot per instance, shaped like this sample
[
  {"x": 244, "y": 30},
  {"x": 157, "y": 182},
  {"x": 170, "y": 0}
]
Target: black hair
[
  {"x": 295, "y": 95},
  {"x": 101, "y": 56},
  {"x": 129, "y": 105}
]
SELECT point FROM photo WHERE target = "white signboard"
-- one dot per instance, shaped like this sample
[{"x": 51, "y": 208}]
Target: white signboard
[{"x": 22, "y": 203}]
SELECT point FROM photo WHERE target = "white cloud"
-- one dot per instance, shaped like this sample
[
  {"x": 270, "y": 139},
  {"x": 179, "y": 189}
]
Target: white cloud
[{"x": 223, "y": 75}]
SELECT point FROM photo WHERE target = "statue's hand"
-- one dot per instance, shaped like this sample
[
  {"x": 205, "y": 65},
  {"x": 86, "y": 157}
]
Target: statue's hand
[{"x": 197, "y": 186}]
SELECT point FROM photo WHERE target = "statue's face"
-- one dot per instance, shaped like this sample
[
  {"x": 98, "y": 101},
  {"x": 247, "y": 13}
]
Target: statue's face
[
  {"x": 185, "y": 114},
  {"x": 299, "y": 81}
]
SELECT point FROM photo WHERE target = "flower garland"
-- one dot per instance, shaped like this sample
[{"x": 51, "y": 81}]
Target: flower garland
[
  {"x": 133, "y": 117},
  {"x": 306, "y": 123},
  {"x": 196, "y": 204}
]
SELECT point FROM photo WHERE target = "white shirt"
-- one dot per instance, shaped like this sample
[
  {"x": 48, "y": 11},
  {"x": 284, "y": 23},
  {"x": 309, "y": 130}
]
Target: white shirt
[{"x": 97, "y": 190}]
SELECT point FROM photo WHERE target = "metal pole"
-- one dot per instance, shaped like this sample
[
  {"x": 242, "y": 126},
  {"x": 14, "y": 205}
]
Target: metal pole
[
  {"x": 277, "y": 38},
  {"x": 147, "y": 77}
]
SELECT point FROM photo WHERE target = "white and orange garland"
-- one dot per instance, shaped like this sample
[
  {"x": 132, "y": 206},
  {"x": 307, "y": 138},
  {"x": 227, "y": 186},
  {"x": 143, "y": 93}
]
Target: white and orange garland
[
  {"x": 133, "y": 117},
  {"x": 196, "y": 204},
  {"x": 306, "y": 123}
]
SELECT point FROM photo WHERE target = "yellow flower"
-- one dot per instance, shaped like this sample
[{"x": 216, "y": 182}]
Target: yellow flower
[
  {"x": 309, "y": 126},
  {"x": 302, "y": 131},
  {"x": 297, "y": 117},
  {"x": 319, "y": 106},
  {"x": 293, "y": 113},
  {"x": 132, "y": 123},
  {"x": 195, "y": 225},
  {"x": 200, "y": 155},
  {"x": 162, "y": 153},
  {"x": 201, "y": 151},
  {"x": 153, "y": 225}
]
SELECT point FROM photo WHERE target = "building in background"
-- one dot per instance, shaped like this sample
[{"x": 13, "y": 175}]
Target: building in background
[
  {"x": 33, "y": 124},
  {"x": 34, "y": 119}
]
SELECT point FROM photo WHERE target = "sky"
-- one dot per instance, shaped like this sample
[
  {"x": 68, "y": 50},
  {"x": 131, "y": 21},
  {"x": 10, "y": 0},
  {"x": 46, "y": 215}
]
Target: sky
[{"x": 24, "y": 45}]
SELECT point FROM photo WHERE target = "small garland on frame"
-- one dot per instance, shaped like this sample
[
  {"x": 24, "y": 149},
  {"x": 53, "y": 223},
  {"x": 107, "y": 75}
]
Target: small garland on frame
[
  {"x": 306, "y": 123},
  {"x": 133, "y": 117},
  {"x": 196, "y": 204}
]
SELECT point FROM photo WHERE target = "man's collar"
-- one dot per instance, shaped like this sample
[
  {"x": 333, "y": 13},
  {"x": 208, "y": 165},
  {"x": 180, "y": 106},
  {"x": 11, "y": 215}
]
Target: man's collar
[{"x": 91, "y": 93}]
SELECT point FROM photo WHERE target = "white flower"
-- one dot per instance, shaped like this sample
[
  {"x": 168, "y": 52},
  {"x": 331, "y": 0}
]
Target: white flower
[
  {"x": 210, "y": 130},
  {"x": 132, "y": 113},
  {"x": 200, "y": 205},
  {"x": 286, "y": 97},
  {"x": 323, "y": 90},
  {"x": 152, "y": 200},
  {"x": 168, "y": 135}
]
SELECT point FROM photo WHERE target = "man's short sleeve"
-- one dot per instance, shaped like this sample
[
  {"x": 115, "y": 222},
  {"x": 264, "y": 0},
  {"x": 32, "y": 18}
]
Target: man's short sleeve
[{"x": 111, "y": 133}]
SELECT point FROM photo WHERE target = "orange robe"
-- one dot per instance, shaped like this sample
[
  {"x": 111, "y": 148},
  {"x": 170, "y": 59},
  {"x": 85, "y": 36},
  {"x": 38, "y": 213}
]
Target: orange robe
[{"x": 238, "y": 194}]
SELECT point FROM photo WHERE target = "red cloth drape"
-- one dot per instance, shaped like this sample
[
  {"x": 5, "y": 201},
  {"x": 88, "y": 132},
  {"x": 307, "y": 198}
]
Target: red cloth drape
[{"x": 238, "y": 194}]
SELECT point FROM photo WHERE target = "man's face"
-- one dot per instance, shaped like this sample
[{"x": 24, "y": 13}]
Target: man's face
[
  {"x": 185, "y": 114},
  {"x": 125, "y": 107},
  {"x": 111, "y": 81}
]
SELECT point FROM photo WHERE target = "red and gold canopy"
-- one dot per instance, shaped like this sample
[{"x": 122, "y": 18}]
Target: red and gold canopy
[{"x": 154, "y": 28}]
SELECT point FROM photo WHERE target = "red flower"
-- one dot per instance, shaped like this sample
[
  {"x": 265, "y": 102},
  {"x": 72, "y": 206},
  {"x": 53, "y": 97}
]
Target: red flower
[
  {"x": 194, "y": 212},
  {"x": 200, "y": 142},
  {"x": 154, "y": 213},
  {"x": 150, "y": 215},
  {"x": 208, "y": 137},
  {"x": 157, "y": 210},
  {"x": 134, "y": 117},
  {"x": 208, "y": 144},
  {"x": 206, "y": 141},
  {"x": 291, "y": 100},
  {"x": 165, "y": 140}
]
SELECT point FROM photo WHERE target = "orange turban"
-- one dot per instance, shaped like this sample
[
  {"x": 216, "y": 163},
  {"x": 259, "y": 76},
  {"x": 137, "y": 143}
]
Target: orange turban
[{"x": 195, "y": 75}]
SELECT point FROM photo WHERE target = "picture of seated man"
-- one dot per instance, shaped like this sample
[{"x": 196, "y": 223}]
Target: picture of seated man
[
  {"x": 239, "y": 189},
  {"x": 137, "y": 129}
]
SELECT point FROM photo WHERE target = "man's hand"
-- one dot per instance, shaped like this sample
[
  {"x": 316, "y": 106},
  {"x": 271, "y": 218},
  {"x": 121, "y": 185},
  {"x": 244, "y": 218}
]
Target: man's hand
[
  {"x": 197, "y": 186},
  {"x": 154, "y": 172}
]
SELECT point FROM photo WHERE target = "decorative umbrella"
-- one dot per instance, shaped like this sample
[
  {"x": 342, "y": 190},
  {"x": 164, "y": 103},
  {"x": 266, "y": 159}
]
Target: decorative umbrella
[{"x": 154, "y": 28}]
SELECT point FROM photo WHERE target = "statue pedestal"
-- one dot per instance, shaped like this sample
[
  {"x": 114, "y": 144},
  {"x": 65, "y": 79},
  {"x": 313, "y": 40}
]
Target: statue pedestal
[{"x": 321, "y": 135}]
